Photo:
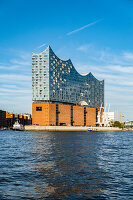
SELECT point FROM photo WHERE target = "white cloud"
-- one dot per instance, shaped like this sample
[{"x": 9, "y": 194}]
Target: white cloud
[
  {"x": 105, "y": 56},
  {"x": 20, "y": 80},
  {"x": 111, "y": 69},
  {"x": 3, "y": 67},
  {"x": 15, "y": 91},
  {"x": 83, "y": 27},
  {"x": 119, "y": 89},
  {"x": 20, "y": 77},
  {"x": 9, "y": 86},
  {"x": 41, "y": 46},
  {"x": 84, "y": 47},
  {"x": 10, "y": 67},
  {"x": 116, "y": 70},
  {"x": 128, "y": 55},
  {"x": 15, "y": 81},
  {"x": 20, "y": 62},
  {"x": 120, "y": 68}
]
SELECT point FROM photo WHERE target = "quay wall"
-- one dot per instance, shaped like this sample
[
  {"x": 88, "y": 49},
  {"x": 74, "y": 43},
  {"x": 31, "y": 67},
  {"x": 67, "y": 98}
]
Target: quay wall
[{"x": 68, "y": 128}]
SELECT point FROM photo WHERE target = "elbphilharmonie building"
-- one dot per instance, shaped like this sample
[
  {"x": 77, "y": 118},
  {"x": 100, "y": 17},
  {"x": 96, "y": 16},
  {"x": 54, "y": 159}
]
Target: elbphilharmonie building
[{"x": 56, "y": 82}]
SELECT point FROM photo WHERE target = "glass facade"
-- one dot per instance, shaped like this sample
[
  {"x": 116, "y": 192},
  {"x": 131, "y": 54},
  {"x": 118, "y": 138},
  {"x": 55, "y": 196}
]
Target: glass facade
[{"x": 55, "y": 80}]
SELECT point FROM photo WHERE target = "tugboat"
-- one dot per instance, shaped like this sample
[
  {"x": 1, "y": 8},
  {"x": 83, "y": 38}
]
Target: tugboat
[{"x": 17, "y": 126}]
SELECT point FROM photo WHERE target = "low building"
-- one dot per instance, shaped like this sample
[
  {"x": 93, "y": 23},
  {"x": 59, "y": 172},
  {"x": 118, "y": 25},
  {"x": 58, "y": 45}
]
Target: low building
[
  {"x": 24, "y": 119},
  {"x": 128, "y": 124},
  {"x": 63, "y": 114},
  {"x": 105, "y": 119},
  {"x": 3, "y": 119}
]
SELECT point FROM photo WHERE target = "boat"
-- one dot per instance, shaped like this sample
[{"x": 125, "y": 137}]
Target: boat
[
  {"x": 17, "y": 126},
  {"x": 90, "y": 129}
]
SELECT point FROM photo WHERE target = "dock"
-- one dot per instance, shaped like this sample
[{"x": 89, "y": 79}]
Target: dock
[{"x": 68, "y": 128}]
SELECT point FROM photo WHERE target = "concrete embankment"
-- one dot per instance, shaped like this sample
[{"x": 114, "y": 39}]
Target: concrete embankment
[{"x": 68, "y": 128}]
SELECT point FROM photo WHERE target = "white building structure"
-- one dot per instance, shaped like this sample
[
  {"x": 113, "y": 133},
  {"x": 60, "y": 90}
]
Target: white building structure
[{"x": 107, "y": 117}]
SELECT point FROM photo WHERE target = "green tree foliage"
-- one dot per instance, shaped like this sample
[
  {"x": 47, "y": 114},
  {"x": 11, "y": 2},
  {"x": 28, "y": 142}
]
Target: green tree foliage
[{"x": 117, "y": 124}]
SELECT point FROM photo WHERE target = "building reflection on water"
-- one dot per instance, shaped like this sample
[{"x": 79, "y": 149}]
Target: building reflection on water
[{"x": 66, "y": 165}]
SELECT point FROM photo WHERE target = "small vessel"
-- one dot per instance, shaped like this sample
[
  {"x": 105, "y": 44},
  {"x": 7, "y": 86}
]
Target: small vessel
[
  {"x": 17, "y": 126},
  {"x": 90, "y": 129}
]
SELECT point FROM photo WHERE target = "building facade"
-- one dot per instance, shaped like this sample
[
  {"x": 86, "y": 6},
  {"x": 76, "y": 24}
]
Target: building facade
[
  {"x": 128, "y": 124},
  {"x": 57, "y": 83},
  {"x": 107, "y": 118},
  {"x": 11, "y": 118},
  {"x": 2, "y": 118},
  {"x": 56, "y": 80}
]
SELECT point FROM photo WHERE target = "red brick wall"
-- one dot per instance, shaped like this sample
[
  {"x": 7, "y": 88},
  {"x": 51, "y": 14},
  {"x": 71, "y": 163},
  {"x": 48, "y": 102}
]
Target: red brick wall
[
  {"x": 64, "y": 114},
  {"x": 78, "y": 115},
  {"x": 90, "y": 116}
]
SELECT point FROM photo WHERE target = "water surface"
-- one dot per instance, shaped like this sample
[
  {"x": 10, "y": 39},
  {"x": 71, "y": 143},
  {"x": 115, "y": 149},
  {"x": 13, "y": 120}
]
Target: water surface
[{"x": 70, "y": 165}]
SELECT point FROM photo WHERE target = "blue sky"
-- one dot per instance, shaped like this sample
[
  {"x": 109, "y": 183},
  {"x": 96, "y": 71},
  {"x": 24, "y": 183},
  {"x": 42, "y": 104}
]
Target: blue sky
[{"x": 96, "y": 35}]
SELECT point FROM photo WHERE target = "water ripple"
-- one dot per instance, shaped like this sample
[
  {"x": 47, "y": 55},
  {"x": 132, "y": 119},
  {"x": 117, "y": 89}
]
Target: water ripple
[{"x": 66, "y": 166}]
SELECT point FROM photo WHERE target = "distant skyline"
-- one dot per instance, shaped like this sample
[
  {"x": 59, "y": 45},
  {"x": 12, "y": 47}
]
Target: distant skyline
[{"x": 96, "y": 35}]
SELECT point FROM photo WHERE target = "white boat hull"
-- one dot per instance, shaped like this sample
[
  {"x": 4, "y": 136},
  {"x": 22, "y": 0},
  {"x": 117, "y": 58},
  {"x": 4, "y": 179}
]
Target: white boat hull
[{"x": 18, "y": 127}]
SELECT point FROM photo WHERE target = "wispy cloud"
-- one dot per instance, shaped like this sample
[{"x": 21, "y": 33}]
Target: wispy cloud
[
  {"x": 116, "y": 68},
  {"x": 128, "y": 55},
  {"x": 20, "y": 62},
  {"x": 106, "y": 56},
  {"x": 16, "y": 77},
  {"x": 84, "y": 47},
  {"x": 15, "y": 91},
  {"x": 9, "y": 86},
  {"x": 83, "y": 27},
  {"x": 41, "y": 46},
  {"x": 7, "y": 67},
  {"x": 15, "y": 81},
  {"x": 120, "y": 68},
  {"x": 23, "y": 81}
]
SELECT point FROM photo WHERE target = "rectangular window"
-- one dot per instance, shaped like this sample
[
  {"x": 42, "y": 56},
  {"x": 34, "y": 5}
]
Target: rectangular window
[{"x": 38, "y": 108}]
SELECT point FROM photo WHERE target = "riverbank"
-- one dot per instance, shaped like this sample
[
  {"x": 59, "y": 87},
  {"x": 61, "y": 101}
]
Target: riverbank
[{"x": 68, "y": 128}]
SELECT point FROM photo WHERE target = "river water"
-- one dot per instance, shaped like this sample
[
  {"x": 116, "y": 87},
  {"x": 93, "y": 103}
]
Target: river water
[{"x": 71, "y": 165}]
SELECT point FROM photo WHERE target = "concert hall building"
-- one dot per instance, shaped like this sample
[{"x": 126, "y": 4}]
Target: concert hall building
[{"x": 60, "y": 95}]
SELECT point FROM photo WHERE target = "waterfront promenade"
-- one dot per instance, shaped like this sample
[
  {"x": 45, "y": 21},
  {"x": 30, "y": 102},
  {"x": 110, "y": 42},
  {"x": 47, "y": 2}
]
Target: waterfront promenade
[{"x": 68, "y": 128}]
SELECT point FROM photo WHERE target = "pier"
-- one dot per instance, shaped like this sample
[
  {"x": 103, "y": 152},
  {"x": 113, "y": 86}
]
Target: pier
[{"x": 68, "y": 128}]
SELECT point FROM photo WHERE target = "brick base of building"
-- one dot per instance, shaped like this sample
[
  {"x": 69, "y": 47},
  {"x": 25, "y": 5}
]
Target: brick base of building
[{"x": 51, "y": 114}]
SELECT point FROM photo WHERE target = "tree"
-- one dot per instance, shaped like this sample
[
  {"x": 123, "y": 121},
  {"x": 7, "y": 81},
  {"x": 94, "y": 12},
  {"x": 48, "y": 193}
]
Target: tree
[{"x": 117, "y": 124}]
